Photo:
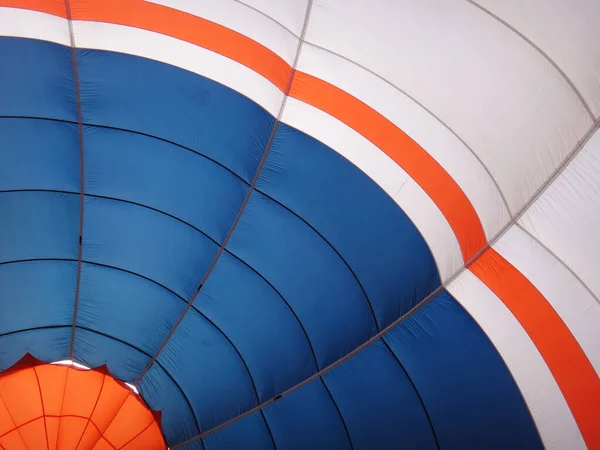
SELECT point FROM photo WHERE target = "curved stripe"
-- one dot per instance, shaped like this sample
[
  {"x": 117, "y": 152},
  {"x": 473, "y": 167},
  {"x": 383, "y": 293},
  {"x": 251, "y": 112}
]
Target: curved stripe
[
  {"x": 553, "y": 418},
  {"x": 422, "y": 167},
  {"x": 569, "y": 365},
  {"x": 419, "y": 164}
]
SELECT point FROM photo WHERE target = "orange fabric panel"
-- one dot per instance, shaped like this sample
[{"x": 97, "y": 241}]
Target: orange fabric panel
[
  {"x": 567, "y": 362},
  {"x": 81, "y": 391},
  {"x": 12, "y": 441},
  {"x": 6, "y": 422},
  {"x": 129, "y": 417},
  {"x": 32, "y": 418},
  {"x": 52, "y": 424},
  {"x": 109, "y": 403},
  {"x": 90, "y": 436},
  {"x": 420, "y": 165},
  {"x": 103, "y": 445},
  {"x": 21, "y": 396},
  {"x": 34, "y": 434},
  {"x": 146, "y": 439},
  {"x": 70, "y": 431},
  {"x": 52, "y": 381}
]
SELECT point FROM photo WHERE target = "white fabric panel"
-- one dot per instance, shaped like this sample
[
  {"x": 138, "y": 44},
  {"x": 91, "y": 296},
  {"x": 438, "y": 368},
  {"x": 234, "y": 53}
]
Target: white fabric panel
[
  {"x": 289, "y": 13},
  {"x": 34, "y": 25},
  {"x": 237, "y": 16},
  {"x": 387, "y": 174},
  {"x": 566, "y": 218},
  {"x": 570, "y": 299},
  {"x": 489, "y": 85},
  {"x": 567, "y": 31},
  {"x": 420, "y": 125},
  {"x": 134, "y": 41},
  {"x": 544, "y": 399}
]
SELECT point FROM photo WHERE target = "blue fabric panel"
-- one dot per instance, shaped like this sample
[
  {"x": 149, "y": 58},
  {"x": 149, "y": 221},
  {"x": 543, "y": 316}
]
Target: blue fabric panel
[
  {"x": 260, "y": 325},
  {"x": 36, "y": 294},
  {"x": 38, "y": 154},
  {"x": 378, "y": 402},
  {"x": 123, "y": 360},
  {"x": 163, "y": 176},
  {"x": 126, "y": 307},
  {"x": 36, "y": 79},
  {"x": 307, "y": 419},
  {"x": 309, "y": 275},
  {"x": 146, "y": 242},
  {"x": 206, "y": 366},
  {"x": 247, "y": 433},
  {"x": 360, "y": 220},
  {"x": 38, "y": 225},
  {"x": 199, "y": 445},
  {"x": 46, "y": 344},
  {"x": 142, "y": 95},
  {"x": 162, "y": 394},
  {"x": 470, "y": 395}
]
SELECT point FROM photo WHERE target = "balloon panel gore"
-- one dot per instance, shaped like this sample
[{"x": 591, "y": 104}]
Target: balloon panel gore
[{"x": 67, "y": 406}]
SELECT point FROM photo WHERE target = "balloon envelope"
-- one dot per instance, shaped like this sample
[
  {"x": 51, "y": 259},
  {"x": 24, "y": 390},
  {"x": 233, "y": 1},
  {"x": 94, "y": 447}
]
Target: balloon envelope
[{"x": 324, "y": 224}]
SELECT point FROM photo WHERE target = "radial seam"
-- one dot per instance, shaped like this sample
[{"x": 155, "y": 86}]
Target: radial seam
[
  {"x": 89, "y": 420},
  {"x": 561, "y": 261},
  {"x": 37, "y": 378},
  {"x": 557, "y": 172},
  {"x": 81, "y": 175},
  {"x": 17, "y": 427},
  {"x": 427, "y": 110},
  {"x": 242, "y": 207},
  {"x": 541, "y": 52},
  {"x": 233, "y": 226}
]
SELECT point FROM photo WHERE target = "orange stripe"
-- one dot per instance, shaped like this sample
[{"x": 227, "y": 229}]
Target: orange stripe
[
  {"x": 420, "y": 165},
  {"x": 54, "y": 7},
  {"x": 409, "y": 155},
  {"x": 567, "y": 362},
  {"x": 189, "y": 28}
]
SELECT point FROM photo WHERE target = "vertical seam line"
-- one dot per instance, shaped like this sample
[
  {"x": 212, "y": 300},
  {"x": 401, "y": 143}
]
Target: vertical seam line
[{"x": 81, "y": 176}]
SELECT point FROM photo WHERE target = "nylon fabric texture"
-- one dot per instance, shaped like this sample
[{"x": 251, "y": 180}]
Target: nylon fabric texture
[{"x": 304, "y": 224}]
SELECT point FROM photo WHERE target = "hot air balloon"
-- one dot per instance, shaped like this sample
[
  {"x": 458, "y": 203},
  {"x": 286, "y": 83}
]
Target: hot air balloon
[{"x": 299, "y": 224}]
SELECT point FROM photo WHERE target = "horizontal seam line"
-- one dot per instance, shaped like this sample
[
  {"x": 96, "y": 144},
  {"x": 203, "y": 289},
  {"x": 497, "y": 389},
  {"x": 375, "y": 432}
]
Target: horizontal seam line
[{"x": 139, "y": 133}]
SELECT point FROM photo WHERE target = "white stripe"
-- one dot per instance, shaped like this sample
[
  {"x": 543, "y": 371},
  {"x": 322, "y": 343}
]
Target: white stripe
[
  {"x": 550, "y": 411},
  {"x": 236, "y": 16},
  {"x": 569, "y": 298},
  {"x": 387, "y": 174},
  {"x": 420, "y": 125},
  {"x": 566, "y": 218},
  {"x": 489, "y": 85},
  {"x": 147, "y": 44},
  {"x": 33, "y": 25},
  {"x": 134, "y": 41}
]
